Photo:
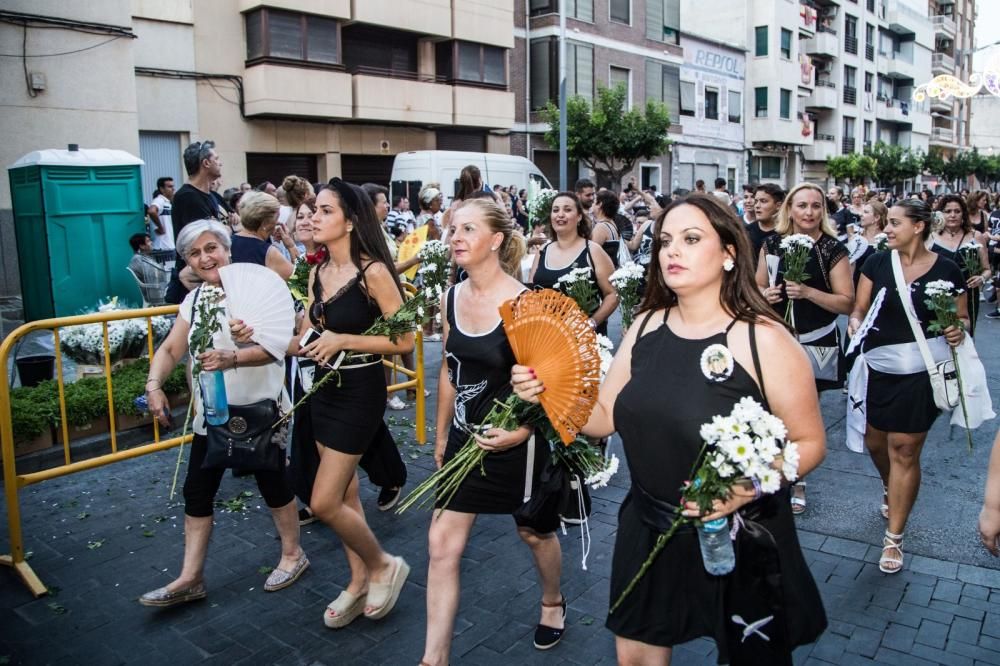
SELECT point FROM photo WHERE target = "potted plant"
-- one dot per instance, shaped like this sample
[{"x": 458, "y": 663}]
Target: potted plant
[{"x": 33, "y": 410}]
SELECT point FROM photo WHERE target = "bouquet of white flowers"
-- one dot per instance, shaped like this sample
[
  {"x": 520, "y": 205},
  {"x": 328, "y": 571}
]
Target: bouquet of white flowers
[
  {"x": 127, "y": 338},
  {"x": 881, "y": 242},
  {"x": 796, "y": 249},
  {"x": 540, "y": 207},
  {"x": 750, "y": 444},
  {"x": 626, "y": 281},
  {"x": 434, "y": 271},
  {"x": 578, "y": 285}
]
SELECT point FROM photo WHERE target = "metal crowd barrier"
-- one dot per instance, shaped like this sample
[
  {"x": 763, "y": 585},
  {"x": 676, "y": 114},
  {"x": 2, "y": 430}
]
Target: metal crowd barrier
[{"x": 14, "y": 482}]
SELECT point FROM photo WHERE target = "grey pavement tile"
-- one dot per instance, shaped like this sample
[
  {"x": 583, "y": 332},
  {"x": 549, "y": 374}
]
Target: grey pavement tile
[
  {"x": 965, "y": 630},
  {"x": 973, "y": 651},
  {"x": 975, "y": 591},
  {"x": 919, "y": 595},
  {"x": 811, "y": 540},
  {"x": 932, "y": 633},
  {"x": 979, "y": 575},
  {"x": 845, "y": 548},
  {"x": 864, "y": 642},
  {"x": 947, "y": 590},
  {"x": 955, "y": 609},
  {"x": 899, "y": 637},
  {"x": 829, "y": 647},
  {"x": 939, "y": 656},
  {"x": 889, "y": 656},
  {"x": 991, "y": 625}
]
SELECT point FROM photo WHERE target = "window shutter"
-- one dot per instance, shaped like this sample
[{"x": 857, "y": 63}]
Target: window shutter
[
  {"x": 654, "y": 82},
  {"x": 672, "y": 91},
  {"x": 584, "y": 10},
  {"x": 654, "y": 20},
  {"x": 585, "y": 71},
  {"x": 672, "y": 14},
  {"x": 540, "y": 70}
]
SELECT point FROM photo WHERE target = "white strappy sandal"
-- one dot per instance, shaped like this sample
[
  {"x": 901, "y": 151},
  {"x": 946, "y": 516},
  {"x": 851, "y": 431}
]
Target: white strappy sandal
[{"x": 891, "y": 542}]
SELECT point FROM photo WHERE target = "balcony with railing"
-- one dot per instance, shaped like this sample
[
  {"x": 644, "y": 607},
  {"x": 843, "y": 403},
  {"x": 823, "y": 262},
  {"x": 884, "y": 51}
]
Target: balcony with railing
[
  {"x": 823, "y": 96},
  {"x": 942, "y": 63},
  {"x": 823, "y": 147},
  {"x": 893, "y": 110},
  {"x": 851, "y": 44},
  {"x": 847, "y": 145},
  {"x": 870, "y": 52},
  {"x": 942, "y": 136},
  {"x": 401, "y": 97},
  {"x": 271, "y": 89},
  {"x": 850, "y": 95},
  {"x": 898, "y": 65},
  {"x": 944, "y": 26},
  {"x": 939, "y": 105},
  {"x": 807, "y": 20},
  {"x": 824, "y": 43}
]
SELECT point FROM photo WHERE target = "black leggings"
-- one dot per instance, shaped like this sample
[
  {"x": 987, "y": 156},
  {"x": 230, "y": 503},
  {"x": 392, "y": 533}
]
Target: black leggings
[{"x": 201, "y": 485}]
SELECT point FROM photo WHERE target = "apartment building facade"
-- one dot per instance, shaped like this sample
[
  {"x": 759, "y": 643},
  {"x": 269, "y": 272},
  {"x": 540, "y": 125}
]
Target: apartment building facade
[
  {"x": 824, "y": 77},
  {"x": 609, "y": 42},
  {"x": 953, "y": 22},
  {"x": 319, "y": 88}
]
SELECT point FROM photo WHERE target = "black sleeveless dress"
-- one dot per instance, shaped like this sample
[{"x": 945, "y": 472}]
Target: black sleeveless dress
[
  {"x": 808, "y": 316},
  {"x": 677, "y": 600},
  {"x": 546, "y": 278},
  {"x": 347, "y": 414},
  {"x": 972, "y": 295},
  {"x": 610, "y": 246},
  {"x": 479, "y": 369}
]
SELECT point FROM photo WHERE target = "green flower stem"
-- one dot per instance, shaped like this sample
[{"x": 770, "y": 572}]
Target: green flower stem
[
  {"x": 447, "y": 480},
  {"x": 961, "y": 397},
  {"x": 661, "y": 542},
  {"x": 180, "y": 448}
]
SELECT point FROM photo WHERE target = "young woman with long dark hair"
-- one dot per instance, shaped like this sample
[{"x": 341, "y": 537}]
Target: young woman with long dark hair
[
  {"x": 702, "y": 293},
  {"x": 959, "y": 230},
  {"x": 354, "y": 286}
]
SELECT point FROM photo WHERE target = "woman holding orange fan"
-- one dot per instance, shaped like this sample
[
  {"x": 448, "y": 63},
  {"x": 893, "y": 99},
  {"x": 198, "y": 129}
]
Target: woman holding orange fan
[
  {"x": 704, "y": 326},
  {"x": 474, "y": 374}
]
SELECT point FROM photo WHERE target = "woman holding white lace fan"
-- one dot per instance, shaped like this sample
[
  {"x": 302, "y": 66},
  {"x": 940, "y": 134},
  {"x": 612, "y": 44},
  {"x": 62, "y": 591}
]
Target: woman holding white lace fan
[
  {"x": 890, "y": 391},
  {"x": 251, "y": 373}
]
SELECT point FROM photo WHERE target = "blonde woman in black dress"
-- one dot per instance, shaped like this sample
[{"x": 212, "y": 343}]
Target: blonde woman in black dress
[
  {"x": 702, "y": 293},
  {"x": 474, "y": 373}
]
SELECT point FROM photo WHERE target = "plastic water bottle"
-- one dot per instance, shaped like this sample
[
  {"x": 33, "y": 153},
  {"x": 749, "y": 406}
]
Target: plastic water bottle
[
  {"x": 213, "y": 396},
  {"x": 716, "y": 547}
]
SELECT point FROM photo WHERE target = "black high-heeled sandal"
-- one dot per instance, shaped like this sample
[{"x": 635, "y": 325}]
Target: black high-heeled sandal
[{"x": 548, "y": 637}]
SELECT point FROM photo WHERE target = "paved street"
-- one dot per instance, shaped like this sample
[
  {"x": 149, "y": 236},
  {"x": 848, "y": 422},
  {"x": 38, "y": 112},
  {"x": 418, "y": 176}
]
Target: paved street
[{"x": 99, "y": 539}]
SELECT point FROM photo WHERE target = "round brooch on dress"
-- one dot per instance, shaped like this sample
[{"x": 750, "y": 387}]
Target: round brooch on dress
[{"x": 717, "y": 363}]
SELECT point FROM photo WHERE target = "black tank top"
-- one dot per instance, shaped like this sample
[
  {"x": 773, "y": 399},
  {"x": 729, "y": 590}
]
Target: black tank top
[
  {"x": 611, "y": 246},
  {"x": 349, "y": 311},
  {"x": 478, "y": 367},
  {"x": 660, "y": 429},
  {"x": 954, "y": 255}
]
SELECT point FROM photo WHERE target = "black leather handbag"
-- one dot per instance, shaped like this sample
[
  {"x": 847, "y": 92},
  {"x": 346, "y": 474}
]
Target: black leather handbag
[{"x": 248, "y": 441}]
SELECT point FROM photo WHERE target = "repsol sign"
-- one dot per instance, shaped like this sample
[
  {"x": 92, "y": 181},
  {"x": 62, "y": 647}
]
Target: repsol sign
[{"x": 723, "y": 63}]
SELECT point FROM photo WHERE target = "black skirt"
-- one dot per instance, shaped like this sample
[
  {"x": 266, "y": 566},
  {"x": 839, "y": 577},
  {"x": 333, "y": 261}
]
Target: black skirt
[
  {"x": 499, "y": 487},
  {"x": 677, "y": 600},
  {"x": 900, "y": 403},
  {"x": 347, "y": 416}
]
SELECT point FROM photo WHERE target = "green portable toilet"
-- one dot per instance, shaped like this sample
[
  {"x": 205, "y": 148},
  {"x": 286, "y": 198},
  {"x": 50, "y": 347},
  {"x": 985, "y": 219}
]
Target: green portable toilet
[{"x": 74, "y": 211}]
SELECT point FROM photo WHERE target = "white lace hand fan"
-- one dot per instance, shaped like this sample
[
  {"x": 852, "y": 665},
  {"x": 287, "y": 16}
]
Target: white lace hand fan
[{"x": 259, "y": 297}]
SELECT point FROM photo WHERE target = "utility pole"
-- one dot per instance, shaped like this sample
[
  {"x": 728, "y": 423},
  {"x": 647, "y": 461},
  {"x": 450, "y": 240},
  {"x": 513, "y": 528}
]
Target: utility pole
[{"x": 562, "y": 97}]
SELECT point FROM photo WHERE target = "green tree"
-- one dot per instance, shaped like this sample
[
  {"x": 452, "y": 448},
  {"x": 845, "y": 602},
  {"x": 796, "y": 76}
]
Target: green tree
[
  {"x": 606, "y": 137},
  {"x": 839, "y": 168},
  {"x": 934, "y": 162},
  {"x": 854, "y": 168}
]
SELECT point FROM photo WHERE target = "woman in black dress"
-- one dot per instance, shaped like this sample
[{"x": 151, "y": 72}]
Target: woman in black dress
[
  {"x": 898, "y": 403},
  {"x": 572, "y": 248},
  {"x": 348, "y": 291},
  {"x": 605, "y": 232},
  {"x": 958, "y": 231},
  {"x": 702, "y": 293},
  {"x": 475, "y": 372},
  {"x": 816, "y": 303}
]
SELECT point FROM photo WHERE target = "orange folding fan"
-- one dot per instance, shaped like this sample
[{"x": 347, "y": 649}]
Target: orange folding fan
[{"x": 549, "y": 333}]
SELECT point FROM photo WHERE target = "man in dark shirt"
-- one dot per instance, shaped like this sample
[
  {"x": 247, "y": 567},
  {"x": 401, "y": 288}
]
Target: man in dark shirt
[
  {"x": 193, "y": 201},
  {"x": 767, "y": 201},
  {"x": 843, "y": 215}
]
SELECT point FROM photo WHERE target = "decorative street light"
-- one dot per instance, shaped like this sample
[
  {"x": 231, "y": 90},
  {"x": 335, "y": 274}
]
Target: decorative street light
[{"x": 946, "y": 85}]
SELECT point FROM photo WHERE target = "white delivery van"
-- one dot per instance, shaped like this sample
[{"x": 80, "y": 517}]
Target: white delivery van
[{"x": 412, "y": 170}]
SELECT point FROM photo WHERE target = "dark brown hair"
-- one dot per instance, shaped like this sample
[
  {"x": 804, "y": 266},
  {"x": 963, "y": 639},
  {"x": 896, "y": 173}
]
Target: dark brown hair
[
  {"x": 582, "y": 227},
  {"x": 946, "y": 199},
  {"x": 918, "y": 211},
  {"x": 740, "y": 296}
]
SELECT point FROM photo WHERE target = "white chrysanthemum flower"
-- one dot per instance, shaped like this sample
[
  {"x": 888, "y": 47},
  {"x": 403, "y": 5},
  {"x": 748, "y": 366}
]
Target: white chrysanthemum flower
[
  {"x": 794, "y": 241},
  {"x": 790, "y": 463},
  {"x": 939, "y": 288},
  {"x": 770, "y": 480}
]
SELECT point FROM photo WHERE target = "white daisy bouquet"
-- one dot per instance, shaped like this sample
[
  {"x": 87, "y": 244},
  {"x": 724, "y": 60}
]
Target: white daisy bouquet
[
  {"x": 940, "y": 300},
  {"x": 540, "y": 207},
  {"x": 881, "y": 242},
  {"x": 968, "y": 255},
  {"x": 578, "y": 285},
  {"x": 796, "y": 249},
  {"x": 626, "y": 281},
  {"x": 84, "y": 343},
  {"x": 435, "y": 267},
  {"x": 748, "y": 445}
]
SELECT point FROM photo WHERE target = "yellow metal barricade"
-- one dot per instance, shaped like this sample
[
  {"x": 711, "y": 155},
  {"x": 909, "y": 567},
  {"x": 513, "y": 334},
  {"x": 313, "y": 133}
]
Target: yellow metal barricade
[
  {"x": 13, "y": 482},
  {"x": 416, "y": 379}
]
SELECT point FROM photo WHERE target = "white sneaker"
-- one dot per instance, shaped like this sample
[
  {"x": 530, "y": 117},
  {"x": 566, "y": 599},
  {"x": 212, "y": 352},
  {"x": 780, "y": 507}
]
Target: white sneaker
[{"x": 395, "y": 404}]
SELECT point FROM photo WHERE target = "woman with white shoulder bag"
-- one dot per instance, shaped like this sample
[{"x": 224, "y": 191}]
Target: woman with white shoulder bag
[{"x": 898, "y": 385}]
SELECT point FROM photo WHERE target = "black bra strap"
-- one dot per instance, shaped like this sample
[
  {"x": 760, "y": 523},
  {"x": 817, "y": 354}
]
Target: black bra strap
[
  {"x": 642, "y": 326},
  {"x": 756, "y": 363}
]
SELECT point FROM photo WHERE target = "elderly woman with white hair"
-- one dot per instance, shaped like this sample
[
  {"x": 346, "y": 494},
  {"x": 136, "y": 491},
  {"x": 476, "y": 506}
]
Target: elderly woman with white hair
[
  {"x": 259, "y": 218},
  {"x": 251, "y": 374}
]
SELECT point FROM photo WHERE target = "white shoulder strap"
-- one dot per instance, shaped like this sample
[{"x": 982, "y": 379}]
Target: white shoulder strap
[{"x": 904, "y": 296}]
